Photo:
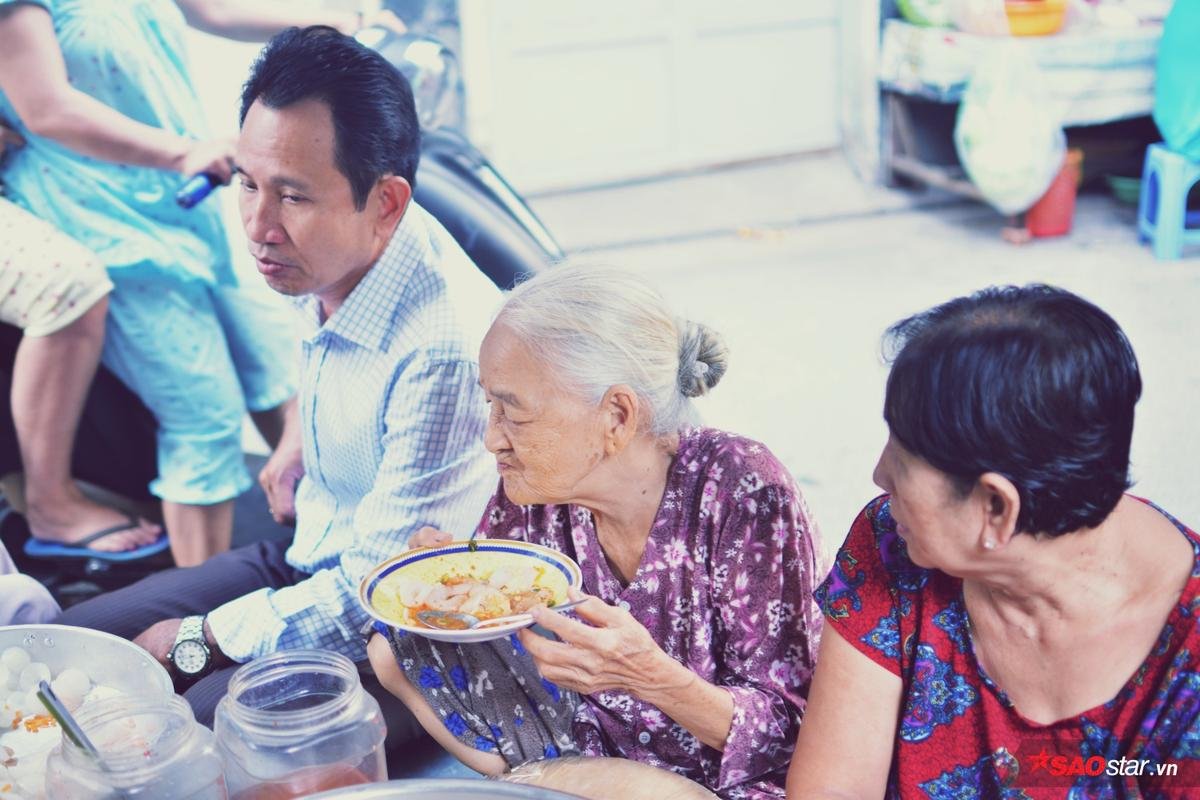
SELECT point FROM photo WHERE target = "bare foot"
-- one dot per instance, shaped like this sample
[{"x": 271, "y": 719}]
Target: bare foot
[{"x": 72, "y": 517}]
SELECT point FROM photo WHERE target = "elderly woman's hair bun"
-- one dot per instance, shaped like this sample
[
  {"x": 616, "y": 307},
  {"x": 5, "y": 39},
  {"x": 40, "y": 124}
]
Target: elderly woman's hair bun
[
  {"x": 596, "y": 327},
  {"x": 703, "y": 358}
]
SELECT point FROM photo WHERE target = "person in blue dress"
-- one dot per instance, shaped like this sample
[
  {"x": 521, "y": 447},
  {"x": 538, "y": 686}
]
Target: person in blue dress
[{"x": 101, "y": 92}]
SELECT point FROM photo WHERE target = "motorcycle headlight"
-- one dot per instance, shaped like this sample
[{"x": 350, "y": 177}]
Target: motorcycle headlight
[{"x": 430, "y": 67}]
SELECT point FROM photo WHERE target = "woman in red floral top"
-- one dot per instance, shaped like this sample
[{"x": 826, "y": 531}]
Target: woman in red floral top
[{"x": 1006, "y": 622}]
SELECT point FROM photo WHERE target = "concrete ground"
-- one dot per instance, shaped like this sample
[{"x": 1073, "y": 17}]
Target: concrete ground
[{"x": 802, "y": 267}]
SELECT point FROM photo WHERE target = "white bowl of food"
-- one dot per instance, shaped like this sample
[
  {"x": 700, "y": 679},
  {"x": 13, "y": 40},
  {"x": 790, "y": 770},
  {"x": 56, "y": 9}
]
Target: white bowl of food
[{"x": 497, "y": 578}]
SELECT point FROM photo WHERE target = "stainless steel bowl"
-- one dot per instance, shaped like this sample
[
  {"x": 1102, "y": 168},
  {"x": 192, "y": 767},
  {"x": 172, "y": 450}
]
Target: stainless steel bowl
[
  {"x": 442, "y": 789},
  {"x": 108, "y": 660}
]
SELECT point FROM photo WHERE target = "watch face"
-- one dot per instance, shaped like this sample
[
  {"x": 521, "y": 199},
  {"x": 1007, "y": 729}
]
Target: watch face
[{"x": 190, "y": 657}]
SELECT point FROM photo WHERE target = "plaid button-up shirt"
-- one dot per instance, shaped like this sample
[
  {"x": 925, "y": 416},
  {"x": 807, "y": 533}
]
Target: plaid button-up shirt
[{"x": 393, "y": 422}]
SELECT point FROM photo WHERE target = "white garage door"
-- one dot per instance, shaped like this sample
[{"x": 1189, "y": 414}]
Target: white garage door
[{"x": 570, "y": 92}]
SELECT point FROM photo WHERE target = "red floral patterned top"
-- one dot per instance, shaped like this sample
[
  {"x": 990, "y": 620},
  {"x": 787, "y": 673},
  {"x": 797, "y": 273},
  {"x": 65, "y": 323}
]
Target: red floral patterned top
[{"x": 961, "y": 737}]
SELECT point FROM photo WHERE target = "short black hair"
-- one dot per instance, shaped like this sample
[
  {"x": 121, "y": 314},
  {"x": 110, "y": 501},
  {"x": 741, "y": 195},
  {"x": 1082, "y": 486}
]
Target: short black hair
[
  {"x": 1034, "y": 383},
  {"x": 375, "y": 125}
]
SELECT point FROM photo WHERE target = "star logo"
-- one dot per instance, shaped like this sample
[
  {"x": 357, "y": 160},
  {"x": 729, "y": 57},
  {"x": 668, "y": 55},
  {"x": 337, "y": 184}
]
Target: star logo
[{"x": 1040, "y": 761}]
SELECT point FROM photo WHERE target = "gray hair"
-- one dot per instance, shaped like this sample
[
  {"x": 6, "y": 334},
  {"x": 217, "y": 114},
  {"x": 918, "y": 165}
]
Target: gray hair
[{"x": 596, "y": 327}]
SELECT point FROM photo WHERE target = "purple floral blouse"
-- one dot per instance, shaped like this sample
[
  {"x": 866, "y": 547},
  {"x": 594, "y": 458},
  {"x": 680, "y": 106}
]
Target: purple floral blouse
[{"x": 725, "y": 586}]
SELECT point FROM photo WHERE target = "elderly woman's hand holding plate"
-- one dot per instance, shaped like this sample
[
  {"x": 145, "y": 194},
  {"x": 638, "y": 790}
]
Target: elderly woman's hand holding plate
[{"x": 609, "y": 649}]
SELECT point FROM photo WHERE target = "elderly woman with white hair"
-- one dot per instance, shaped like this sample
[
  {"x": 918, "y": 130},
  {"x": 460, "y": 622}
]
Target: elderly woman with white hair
[{"x": 696, "y": 644}]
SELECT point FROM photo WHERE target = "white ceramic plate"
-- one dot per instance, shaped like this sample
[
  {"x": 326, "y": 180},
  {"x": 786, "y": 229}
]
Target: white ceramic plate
[{"x": 430, "y": 564}]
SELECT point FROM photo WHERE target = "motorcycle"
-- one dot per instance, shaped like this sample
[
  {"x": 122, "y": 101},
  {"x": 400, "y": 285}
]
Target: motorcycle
[{"x": 456, "y": 183}]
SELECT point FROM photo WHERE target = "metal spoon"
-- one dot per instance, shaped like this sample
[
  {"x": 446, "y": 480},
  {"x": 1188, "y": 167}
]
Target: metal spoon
[
  {"x": 62, "y": 716},
  {"x": 460, "y": 621}
]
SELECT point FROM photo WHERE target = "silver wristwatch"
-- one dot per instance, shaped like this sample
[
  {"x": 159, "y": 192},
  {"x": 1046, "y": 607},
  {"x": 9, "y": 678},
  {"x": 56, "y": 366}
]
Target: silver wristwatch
[{"x": 191, "y": 655}]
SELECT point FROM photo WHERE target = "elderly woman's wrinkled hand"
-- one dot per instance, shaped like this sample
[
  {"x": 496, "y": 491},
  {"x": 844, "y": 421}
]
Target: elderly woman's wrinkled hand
[{"x": 613, "y": 651}]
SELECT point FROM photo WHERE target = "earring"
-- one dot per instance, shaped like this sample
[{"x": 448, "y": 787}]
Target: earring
[{"x": 989, "y": 545}]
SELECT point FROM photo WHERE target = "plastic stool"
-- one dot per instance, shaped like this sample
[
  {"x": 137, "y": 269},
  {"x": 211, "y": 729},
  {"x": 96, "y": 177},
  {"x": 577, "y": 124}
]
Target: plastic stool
[{"x": 1167, "y": 177}]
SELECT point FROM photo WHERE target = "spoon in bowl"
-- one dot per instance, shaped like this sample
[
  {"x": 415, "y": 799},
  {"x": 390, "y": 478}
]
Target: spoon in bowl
[
  {"x": 62, "y": 716},
  {"x": 72, "y": 730},
  {"x": 461, "y": 621}
]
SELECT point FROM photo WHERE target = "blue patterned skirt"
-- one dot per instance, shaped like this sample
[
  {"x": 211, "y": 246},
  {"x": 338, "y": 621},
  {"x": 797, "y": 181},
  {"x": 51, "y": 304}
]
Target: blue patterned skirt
[{"x": 490, "y": 696}]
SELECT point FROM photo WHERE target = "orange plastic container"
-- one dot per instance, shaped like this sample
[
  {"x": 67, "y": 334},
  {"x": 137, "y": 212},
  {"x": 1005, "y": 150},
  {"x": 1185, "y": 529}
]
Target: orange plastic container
[
  {"x": 1035, "y": 17},
  {"x": 1053, "y": 213}
]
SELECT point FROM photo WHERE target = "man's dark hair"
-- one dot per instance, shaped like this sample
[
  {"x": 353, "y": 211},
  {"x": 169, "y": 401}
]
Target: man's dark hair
[
  {"x": 375, "y": 126},
  {"x": 1033, "y": 383}
]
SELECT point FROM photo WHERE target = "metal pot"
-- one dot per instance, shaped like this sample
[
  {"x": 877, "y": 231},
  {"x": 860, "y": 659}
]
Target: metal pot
[{"x": 108, "y": 660}]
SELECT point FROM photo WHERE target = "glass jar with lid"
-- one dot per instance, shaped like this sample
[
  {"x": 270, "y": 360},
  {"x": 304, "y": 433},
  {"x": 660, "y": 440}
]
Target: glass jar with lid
[
  {"x": 150, "y": 747},
  {"x": 297, "y": 722}
]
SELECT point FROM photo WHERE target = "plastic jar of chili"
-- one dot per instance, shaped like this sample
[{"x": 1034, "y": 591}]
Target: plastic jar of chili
[{"x": 298, "y": 722}]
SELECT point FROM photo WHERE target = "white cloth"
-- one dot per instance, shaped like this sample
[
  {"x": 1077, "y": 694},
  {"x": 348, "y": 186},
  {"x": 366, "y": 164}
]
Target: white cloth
[{"x": 22, "y": 599}]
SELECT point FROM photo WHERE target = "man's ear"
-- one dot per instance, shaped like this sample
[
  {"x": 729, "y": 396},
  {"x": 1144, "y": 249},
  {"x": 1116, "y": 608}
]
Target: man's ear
[
  {"x": 622, "y": 411},
  {"x": 394, "y": 196},
  {"x": 1001, "y": 507}
]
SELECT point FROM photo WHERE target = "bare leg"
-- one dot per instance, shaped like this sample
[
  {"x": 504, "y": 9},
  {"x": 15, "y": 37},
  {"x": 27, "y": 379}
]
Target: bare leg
[
  {"x": 392, "y": 678},
  {"x": 51, "y": 377},
  {"x": 198, "y": 532},
  {"x": 270, "y": 423},
  {"x": 1016, "y": 230}
]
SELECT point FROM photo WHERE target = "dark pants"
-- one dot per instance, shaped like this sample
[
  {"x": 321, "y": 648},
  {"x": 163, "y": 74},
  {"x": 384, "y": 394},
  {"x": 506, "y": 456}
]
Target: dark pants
[{"x": 186, "y": 591}]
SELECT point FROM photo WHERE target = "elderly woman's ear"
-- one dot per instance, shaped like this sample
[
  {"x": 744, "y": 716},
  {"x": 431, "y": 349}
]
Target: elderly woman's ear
[
  {"x": 1002, "y": 506},
  {"x": 622, "y": 411}
]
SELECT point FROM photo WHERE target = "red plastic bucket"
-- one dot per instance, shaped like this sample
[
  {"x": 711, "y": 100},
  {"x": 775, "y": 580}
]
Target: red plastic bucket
[{"x": 1051, "y": 215}]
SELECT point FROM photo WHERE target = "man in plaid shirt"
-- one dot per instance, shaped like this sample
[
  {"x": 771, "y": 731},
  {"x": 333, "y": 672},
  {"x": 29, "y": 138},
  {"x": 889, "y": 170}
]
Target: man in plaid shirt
[{"x": 387, "y": 432}]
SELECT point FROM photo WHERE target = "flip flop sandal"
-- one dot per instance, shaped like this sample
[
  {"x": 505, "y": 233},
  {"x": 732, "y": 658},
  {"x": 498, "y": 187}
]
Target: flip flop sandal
[{"x": 38, "y": 548}]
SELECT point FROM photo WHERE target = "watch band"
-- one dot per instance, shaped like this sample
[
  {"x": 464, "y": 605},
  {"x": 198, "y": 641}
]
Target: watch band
[{"x": 191, "y": 628}]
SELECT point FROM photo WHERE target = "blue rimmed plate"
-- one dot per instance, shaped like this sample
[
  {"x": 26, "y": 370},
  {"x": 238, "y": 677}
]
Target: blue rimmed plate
[{"x": 379, "y": 595}]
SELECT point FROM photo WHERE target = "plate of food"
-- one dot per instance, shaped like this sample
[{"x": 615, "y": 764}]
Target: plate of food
[{"x": 456, "y": 593}]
